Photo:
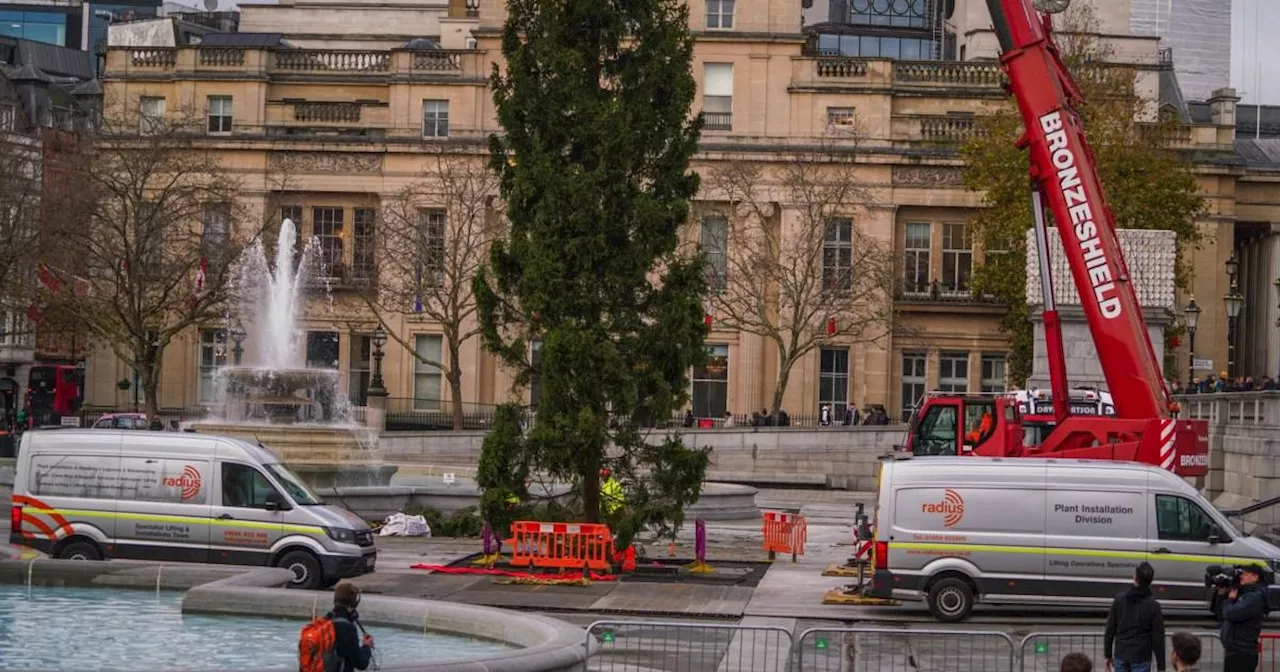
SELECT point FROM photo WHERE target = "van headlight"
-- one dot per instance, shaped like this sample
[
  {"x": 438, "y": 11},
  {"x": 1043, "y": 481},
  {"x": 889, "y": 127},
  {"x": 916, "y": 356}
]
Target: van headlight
[{"x": 340, "y": 535}]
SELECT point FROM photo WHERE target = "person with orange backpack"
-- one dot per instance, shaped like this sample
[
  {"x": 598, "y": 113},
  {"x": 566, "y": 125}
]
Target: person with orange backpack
[{"x": 332, "y": 643}]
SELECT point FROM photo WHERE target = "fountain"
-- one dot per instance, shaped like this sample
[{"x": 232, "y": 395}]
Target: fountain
[{"x": 300, "y": 413}]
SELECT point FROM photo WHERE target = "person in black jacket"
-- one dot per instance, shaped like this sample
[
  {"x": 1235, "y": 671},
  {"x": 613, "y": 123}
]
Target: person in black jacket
[
  {"x": 1135, "y": 627},
  {"x": 1241, "y": 611},
  {"x": 354, "y": 652}
]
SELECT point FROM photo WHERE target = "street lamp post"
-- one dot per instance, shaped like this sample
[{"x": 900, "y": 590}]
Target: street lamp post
[
  {"x": 1192, "y": 314},
  {"x": 237, "y": 338},
  {"x": 1234, "y": 303},
  {"x": 376, "y": 386},
  {"x": 473, "y": 8}
]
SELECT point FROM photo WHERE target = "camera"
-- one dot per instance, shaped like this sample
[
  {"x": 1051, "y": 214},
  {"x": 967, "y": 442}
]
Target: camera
[{"x": 1217, "y": 576}]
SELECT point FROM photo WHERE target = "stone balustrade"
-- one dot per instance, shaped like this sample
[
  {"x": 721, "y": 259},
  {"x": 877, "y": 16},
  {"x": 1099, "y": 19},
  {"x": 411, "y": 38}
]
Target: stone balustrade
[
  {"x": 221, "y": 57},
  {"x": 123, "y": 61},
  {"x": 333, "y": 60},
  {"x": 840, "y": 66},
  {"x": 153, "y": 57},
  {"x": 964, "y": 73},
  {"x": 948, "y": 128},
  {"x": 327, "y": 112},
  {"x": 1244, "y": 448}
]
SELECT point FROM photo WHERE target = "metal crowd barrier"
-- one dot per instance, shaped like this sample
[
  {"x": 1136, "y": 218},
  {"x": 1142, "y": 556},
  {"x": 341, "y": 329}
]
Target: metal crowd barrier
[
  {"x": 892, "y": 649},
  {"x": 1043, "y": 651},
  {"x": 668, "y": 646},
  {"x": 650, "y": 646}
]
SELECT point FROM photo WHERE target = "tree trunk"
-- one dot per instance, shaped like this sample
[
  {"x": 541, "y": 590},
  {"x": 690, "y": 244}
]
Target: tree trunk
[
  {"x": 591, "y": 487},
  {"x": 149, "y": 375},
  {"x": 784, "y": 376},
  {"x": 455, "y": 395}
]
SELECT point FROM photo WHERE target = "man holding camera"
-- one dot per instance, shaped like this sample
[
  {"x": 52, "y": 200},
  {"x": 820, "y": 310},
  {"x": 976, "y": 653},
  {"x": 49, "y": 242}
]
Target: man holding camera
[{"x": 1241, "y": 606}]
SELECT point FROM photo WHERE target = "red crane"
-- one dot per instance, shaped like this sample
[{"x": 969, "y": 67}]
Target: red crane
[{"x": 1063, "y": 173}]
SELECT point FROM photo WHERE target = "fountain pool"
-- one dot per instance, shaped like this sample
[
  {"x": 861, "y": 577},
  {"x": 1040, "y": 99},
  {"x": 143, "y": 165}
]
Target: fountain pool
[{"x": 118, "y": 628}]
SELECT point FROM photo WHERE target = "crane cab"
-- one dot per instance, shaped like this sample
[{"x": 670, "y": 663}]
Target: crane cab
[{"x": 966, "y": 425}]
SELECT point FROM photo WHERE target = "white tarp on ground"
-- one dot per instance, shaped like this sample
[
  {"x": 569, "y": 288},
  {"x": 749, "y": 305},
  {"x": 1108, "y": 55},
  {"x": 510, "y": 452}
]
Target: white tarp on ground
[{"x": 400, "y": 525}]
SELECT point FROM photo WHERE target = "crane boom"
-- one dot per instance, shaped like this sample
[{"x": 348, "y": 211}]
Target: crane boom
[
  {"x": 1064, "y": 175},
  {"x": 1063, "y": 164}
]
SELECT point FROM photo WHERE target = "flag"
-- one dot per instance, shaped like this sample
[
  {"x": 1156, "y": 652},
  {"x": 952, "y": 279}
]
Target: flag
[
  {"x": 831, "y": 326},
  {"x": 198, "y": 289},
  {"x": 706, "y": 319},
  {"x": 417, "y": 294},
  {"x": 48, "y": 279}
]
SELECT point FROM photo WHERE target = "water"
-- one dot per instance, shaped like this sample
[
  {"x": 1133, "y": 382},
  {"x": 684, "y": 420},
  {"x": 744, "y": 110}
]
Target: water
[
  {"x": 103, "y": 628},
  {"x": 272, "y": 298}
]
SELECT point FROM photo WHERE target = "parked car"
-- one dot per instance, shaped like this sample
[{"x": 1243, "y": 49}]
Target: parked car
[{"x": 122, "y": 421}]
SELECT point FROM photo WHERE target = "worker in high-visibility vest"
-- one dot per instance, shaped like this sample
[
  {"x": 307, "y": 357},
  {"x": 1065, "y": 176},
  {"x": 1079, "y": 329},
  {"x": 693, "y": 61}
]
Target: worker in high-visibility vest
[{"x": 611, "y": 496}]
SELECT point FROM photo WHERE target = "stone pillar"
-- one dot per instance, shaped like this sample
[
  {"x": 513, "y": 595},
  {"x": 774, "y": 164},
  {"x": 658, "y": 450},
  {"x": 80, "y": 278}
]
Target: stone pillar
[{"x": 1150, "y": 257}]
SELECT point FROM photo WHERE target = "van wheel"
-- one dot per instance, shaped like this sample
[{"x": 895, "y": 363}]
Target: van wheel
[
  {"x": 950, "y": 599},
  {"x": 306, "y": 570},
  {"x": 79, "y": 550}
]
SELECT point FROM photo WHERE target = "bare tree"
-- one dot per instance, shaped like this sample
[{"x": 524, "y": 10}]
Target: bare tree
[
  {"x": 435, "y": 236},
  {"x": 154, "y": 227},
  {"x": 20, "y": 187},
  {"x": 788, "y": 260}
]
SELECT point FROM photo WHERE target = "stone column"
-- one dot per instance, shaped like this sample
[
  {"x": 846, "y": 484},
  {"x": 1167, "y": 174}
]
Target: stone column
[{"x": 1150, "y": 257}]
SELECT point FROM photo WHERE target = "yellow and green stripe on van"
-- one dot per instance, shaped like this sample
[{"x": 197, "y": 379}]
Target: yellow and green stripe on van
[
  {"x": 181, "y": 520},
  {"x": 1076, "y": 552}
]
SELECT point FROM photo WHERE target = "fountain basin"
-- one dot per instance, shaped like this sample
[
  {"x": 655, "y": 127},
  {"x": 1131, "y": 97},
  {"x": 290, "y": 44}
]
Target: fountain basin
[
  {"x": 325, "y": 456},
  {"x": 508, "y": 641},
  {"x": 282, "y": 396}
]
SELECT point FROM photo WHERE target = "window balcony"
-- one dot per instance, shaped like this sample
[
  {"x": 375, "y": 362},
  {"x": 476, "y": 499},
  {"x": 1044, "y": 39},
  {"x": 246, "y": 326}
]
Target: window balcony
[
  {"x": 717, "y": 121},
  {"x": 937, "y": 295},
  {"x": 281, "y": 63}
]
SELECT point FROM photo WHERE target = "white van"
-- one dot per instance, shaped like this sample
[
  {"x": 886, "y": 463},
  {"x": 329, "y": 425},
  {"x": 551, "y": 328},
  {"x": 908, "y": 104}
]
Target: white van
[
  {"x": 179, "y": 497},
  {"x": 958, "y": 530}
]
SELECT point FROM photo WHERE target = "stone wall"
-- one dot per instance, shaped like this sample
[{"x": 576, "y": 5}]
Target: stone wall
[
  {"x": 1244, "y": 445},
  {"x": 837, "y": 457}
]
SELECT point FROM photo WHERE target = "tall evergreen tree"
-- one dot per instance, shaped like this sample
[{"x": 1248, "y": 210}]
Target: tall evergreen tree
[{"x": 594, "y": 167}]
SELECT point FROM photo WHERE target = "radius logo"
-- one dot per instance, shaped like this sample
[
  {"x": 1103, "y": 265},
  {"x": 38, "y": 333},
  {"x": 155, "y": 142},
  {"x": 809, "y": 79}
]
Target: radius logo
[
  {"x": 951, "y": 507},
  {"x": 189, "y": 481}
]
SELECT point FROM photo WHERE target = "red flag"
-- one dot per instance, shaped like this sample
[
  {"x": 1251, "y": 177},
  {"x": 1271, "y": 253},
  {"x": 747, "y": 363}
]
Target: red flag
[
  {"x": 706, "y": 319},
  {"x": 831, "y": 326},
  {"x": 33, "y": 313},
  {"x": 47, "y": 279},
  {"x": 198, "y": 290}
]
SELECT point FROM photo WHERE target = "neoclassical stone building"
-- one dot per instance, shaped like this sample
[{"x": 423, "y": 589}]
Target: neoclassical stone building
[{"x": 329, "y": 108}]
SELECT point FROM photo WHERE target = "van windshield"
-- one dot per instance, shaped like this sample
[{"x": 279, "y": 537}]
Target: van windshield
[{"x": 299, "y": 492}]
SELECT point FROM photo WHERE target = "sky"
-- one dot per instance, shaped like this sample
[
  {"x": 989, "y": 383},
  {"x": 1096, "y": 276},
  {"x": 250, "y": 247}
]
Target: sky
[{"x": 1255, "y": 62}]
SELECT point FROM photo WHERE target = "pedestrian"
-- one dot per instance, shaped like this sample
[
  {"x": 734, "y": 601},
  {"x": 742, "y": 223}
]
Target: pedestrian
[
  {"x": 1135, "y": 627},
  {"x": 688, "y": 418},
  {"x": 1241, "y": 609},
  {"x": 1186, "y": 652},
  {"x": 1076, "y": 662},
  {"x": 728, "y": 420},
  {"x": 334, "y": 642}
]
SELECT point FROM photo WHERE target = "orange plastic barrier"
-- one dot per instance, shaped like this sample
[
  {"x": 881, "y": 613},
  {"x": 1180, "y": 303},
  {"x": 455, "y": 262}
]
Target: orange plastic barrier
[
  {"x": 784, "y": 533},
  {"x": 561, "y": 545}
]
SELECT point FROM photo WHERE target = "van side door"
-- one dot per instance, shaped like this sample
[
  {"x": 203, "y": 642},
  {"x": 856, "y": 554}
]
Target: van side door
[
  {"x": 164, "y": 508},
  {"x": 1178, "y": 547},
  {"x": 1095, "y": 539},
  {"x": 246, "y": 525}
]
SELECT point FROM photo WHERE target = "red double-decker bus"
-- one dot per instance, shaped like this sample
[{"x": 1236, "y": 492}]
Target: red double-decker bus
[{"x": 52, "y": 392}]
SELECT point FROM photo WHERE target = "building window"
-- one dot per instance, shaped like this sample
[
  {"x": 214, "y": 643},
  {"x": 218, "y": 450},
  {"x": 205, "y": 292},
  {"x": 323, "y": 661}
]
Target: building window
[
  {"x": 8, "y": 116},
  {"x": 359, "y": 376},
  {"x": 431, "y": 253},
  {"x": 840, "y": 117},
  {"x": 362, "y": 264},
  {"x": 213, "y": 356},
  {"x": 326, "y": 228},
  {"x": 889, "y": 13},
  {"x": 717, "y": 96},
  {"x": 914, "y": 366},
  {"x": 435, "y": 118},
  {"x": 875, "y": 46},
  {"x": 151, "y": 114},
  {"x": 719, "y": 14},
  {"x": 427, "y": 377},
  {"x": 535, "y": 378},
  {"x": 215, "y": 230},
  {"x": 837, "y": 256},
  {"x": 322, "y": 350},
  {"x": 916, "y": 244},
  {"x": 711, "y": 384},
  {"x": 219, "y": 114},
  {"x": 833, "y": 381},
  {"x": 994, "y": 369},
  {"x": 715, "y": 248},
  {"x": 957, "y": 258},
  {"x": 953, "y": 372}
]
